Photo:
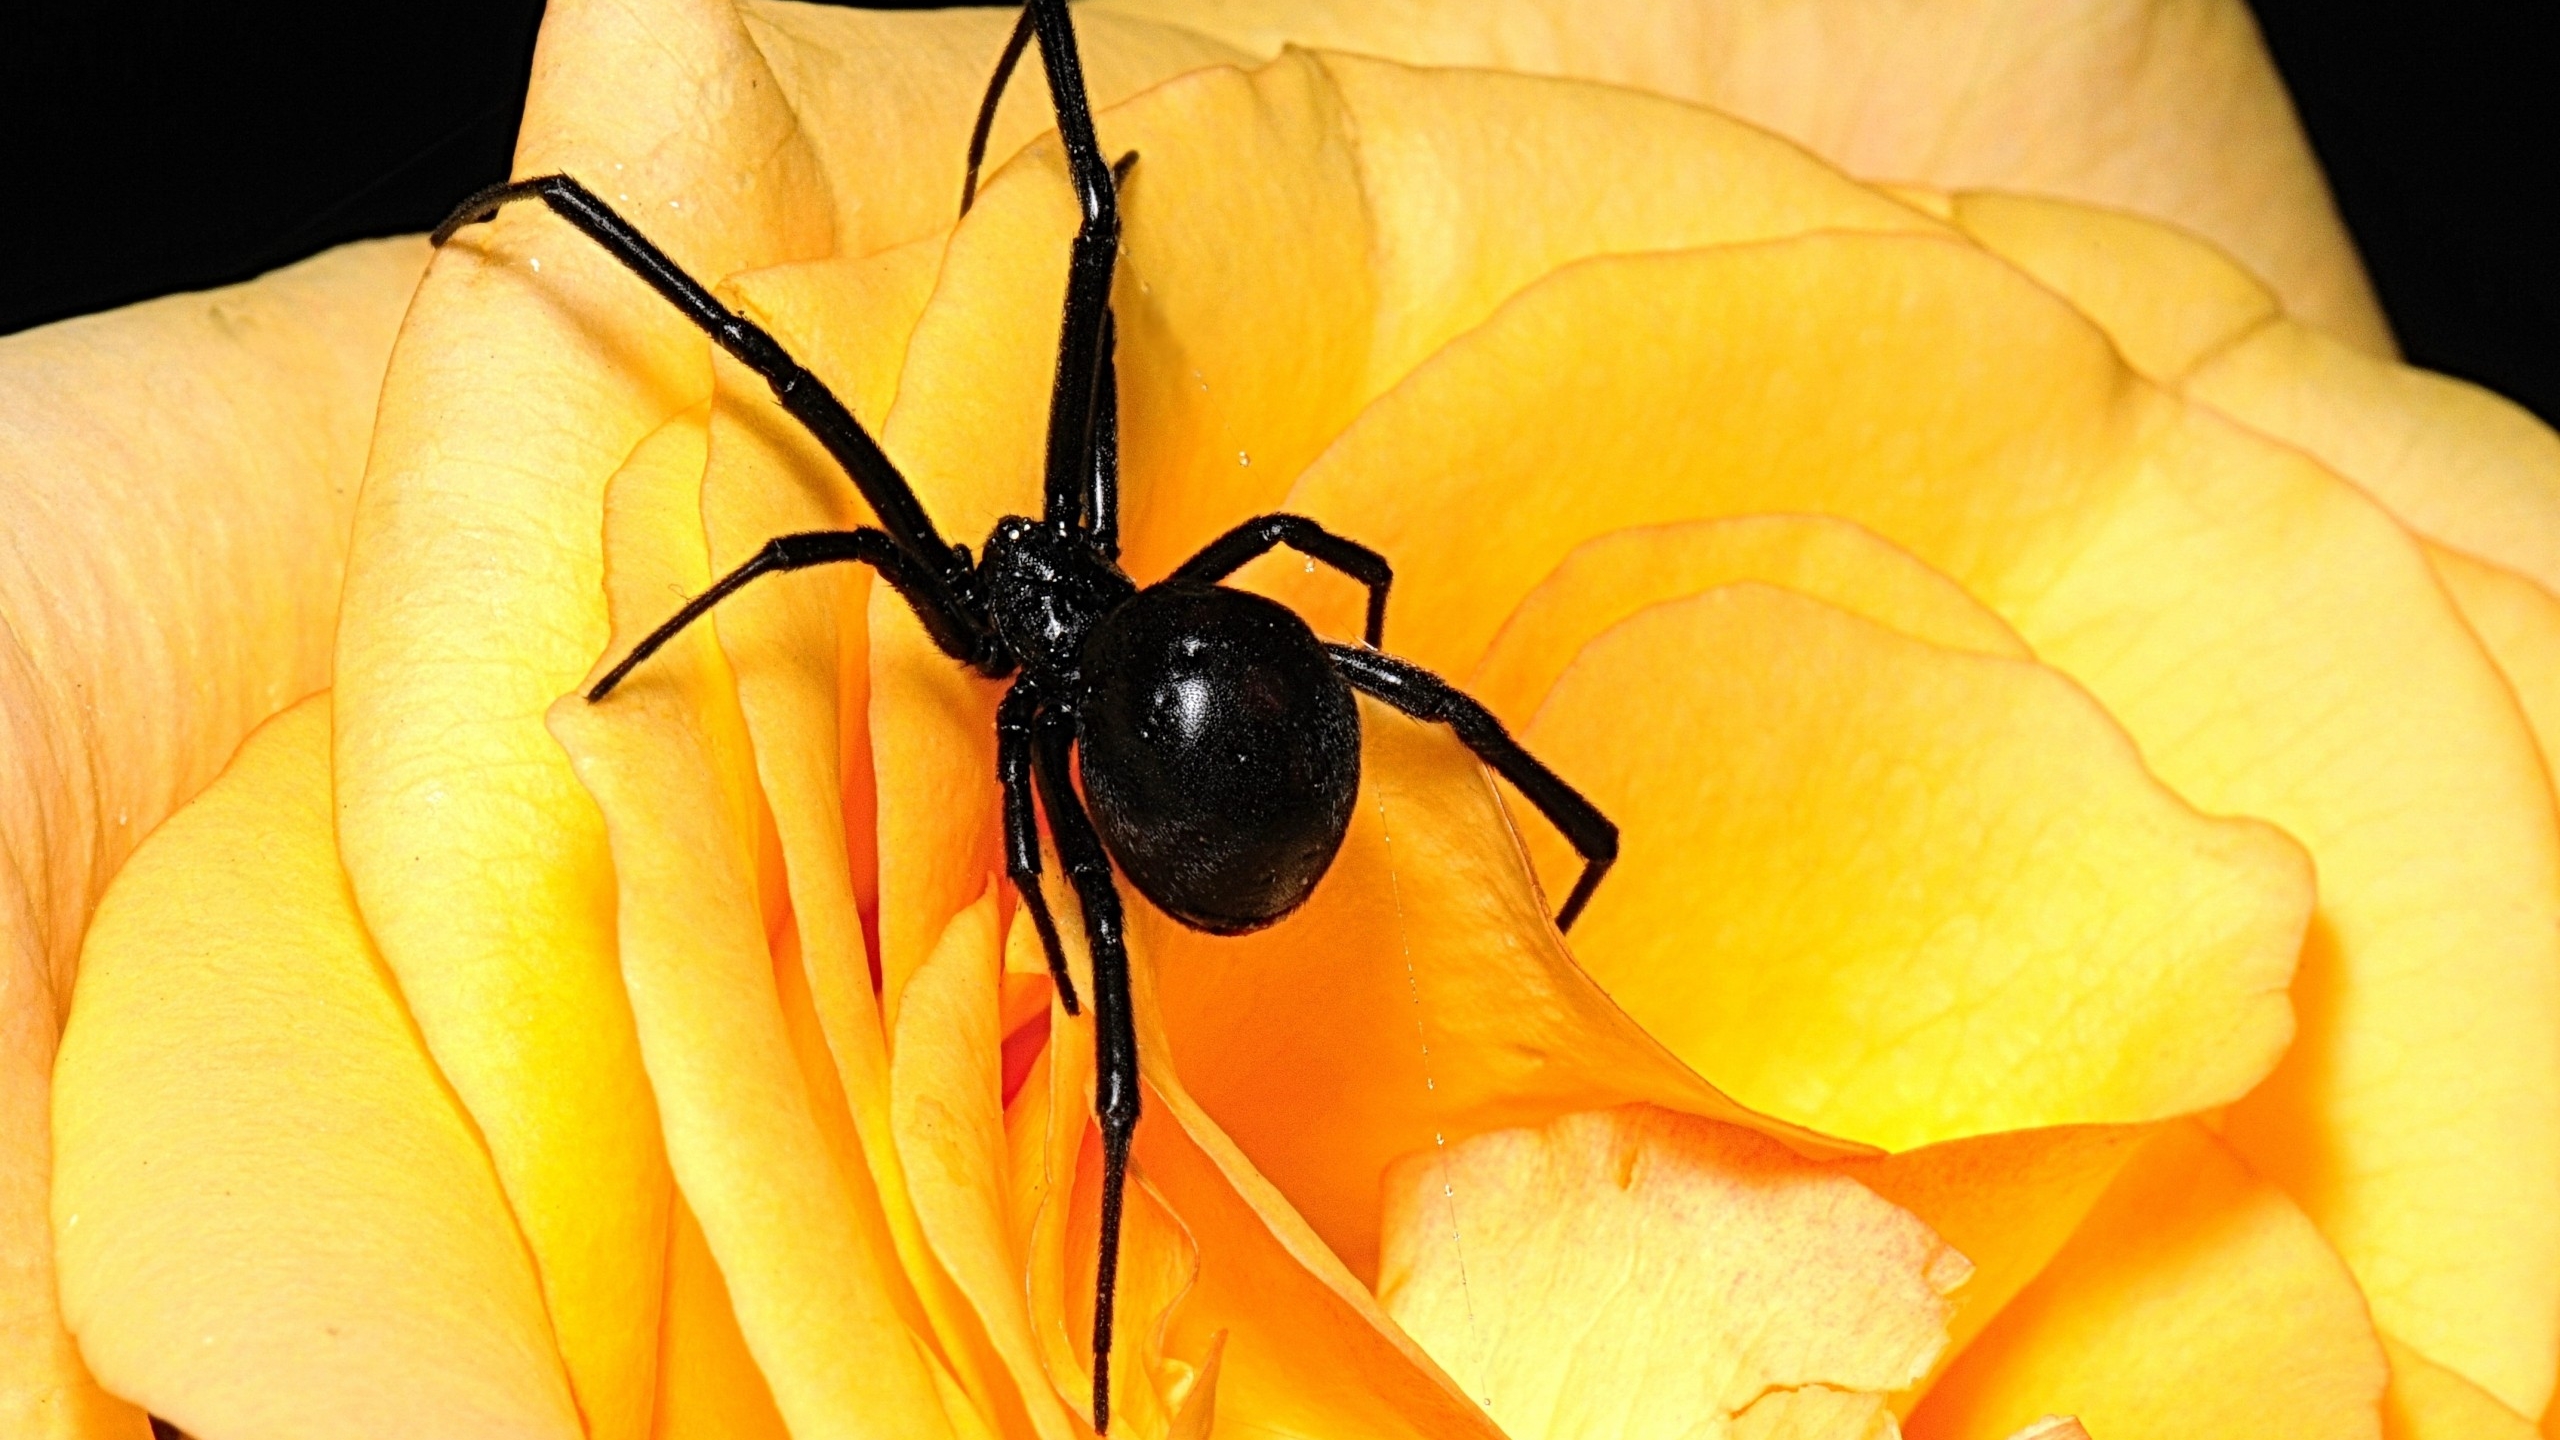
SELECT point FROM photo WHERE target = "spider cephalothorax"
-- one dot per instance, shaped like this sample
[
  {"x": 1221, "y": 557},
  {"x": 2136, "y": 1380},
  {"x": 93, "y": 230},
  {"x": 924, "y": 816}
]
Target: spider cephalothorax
[{"x": 1216, "y": 736}]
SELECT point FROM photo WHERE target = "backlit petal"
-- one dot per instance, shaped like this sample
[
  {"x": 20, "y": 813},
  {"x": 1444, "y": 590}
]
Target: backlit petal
[
  {"x": 2196, "y": 1301},
  {"x": 269, "y": 1209},
  {"x": 1638, "y": 1273},
  {"x": 179, "y": 479},
  {"x": 2275, "y": 644}
]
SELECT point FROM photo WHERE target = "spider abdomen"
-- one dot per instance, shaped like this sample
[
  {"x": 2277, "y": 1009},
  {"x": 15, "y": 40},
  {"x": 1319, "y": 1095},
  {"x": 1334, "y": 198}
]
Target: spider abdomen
[{"x": 1220, "y": 752}]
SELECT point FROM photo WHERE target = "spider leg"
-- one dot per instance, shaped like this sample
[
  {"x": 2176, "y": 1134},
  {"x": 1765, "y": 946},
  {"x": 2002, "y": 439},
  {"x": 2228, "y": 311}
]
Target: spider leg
[
  {"x": 798, "y": 552},
  {"x": 1115, "y": 1092},
  {"x": 1225, "y": 555},
  {"x": 1014, "y": 721},
  {"x": 1075, "y": 393},
  {"x": 1425, "y": 696},
  {"x": 939, "y": 571},
  {"x": 1102, "y": 496},
  {"x": 1011, "y": 57}
]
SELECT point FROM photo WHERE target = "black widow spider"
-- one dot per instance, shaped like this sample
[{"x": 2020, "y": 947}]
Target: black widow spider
[{"x": 1216, "y": 736}]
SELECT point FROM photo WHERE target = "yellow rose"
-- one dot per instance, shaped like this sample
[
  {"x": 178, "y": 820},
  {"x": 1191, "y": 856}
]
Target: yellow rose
[{"x": 1950, "y": 593}]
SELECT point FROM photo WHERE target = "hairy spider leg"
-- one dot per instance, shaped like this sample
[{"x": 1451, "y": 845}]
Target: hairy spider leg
[
  {"x": 1015, "y": 719},
  {"x": 1228, "y": 553},
  {"x": 936, "y": 578},
  {"x": 781, "y": 554},
  {"x": 1425, "y": 696},
  {"x": 1115, "y": 1034}
]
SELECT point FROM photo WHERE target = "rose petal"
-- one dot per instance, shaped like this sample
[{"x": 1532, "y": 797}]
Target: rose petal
[
  {"x": 1306, "y": 1349},
  {"x": 184, "y": 470},
  {"x": 2275, "y": 644},
  {"x": 2006, "y": 1202},
  {"x": 1287, "y": 257},
  {"x": 268, "y": 1207},
  {"x": 2465, "y": 467},
  {"x": 1421, "y": 993},
  {"x": 2167, "y": 298},
  {"x": 708, "y": 1385},
  {"x": 2428, "y": 1402},
  {"x": 1610, "y": 577},
  {"x": 951, "y": 1142},
  {"x": 2518, "y": 622},
  {"x": 1295, "y": 1343},
  {"x": 887, "y": 99},
  {"x": 2162, "y": 108},
  {"x": 2196, "y": 1301},
  {"x": 1634, "y": 1272},
  {"x": 473, "y": 602},
  {"x": 754, "y": 1132},
  {"x": 798, "y": 646},
  {"x": 1903, "y": 894},
  {"x": 2053, "y": 1427},
  {"x": 2453, "y": 461}
]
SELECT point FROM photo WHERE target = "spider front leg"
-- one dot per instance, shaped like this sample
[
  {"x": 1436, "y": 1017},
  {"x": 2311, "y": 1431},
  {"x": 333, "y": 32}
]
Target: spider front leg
[
  {"x": 1425, "y": 696},
  {"x": 1228, "y": 553},
  {"x": 936, "y": 578},
  {"x": 1115, "y": 1086},
  {"x": 785, "y": 553},
  {"x": 1014, "y": 742}
]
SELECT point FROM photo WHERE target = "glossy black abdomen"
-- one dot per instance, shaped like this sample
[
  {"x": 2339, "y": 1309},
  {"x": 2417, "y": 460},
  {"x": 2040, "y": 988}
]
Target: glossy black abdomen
[{"x": 1220, "y": 753}]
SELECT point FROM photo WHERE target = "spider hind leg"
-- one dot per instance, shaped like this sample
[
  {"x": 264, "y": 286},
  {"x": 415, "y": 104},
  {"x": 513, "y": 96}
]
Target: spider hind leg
[
  {"x": 1115, "y": 1086},
  {"x": 1425, "y": 696}
]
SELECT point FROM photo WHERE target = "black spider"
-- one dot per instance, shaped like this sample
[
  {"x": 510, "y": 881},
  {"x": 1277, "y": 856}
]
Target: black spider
[{"x": 1218, "y": 741}]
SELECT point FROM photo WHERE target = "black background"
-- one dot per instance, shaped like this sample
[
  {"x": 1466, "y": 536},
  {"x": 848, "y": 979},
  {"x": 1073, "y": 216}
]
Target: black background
[{"x": 170, "y": 144}]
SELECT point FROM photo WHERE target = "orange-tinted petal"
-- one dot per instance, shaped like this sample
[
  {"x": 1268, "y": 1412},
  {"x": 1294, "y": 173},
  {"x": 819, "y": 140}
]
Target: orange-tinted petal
[
  {"x": 1638, "y": 1273},
  {"x": 1610, "y": 577},
  {"x": 1306, "y": 1349},
  {"x": 1905, "y": 894},
  {"x": 1421, "y": 993},
  {"x": 268, "y": 1209},
  {"x": 2275, "y": 644},
  {"x": 708, "y": 1385},
  {"x": 784, "y": 1199},
  {"x": 180, "y": 476},
  {"x": 2428, "y": 1402},
  {"x": 531, "y": 366},
  {"x": 2196, "y": 1301},
  {"x": 2162, "y": 107}
]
